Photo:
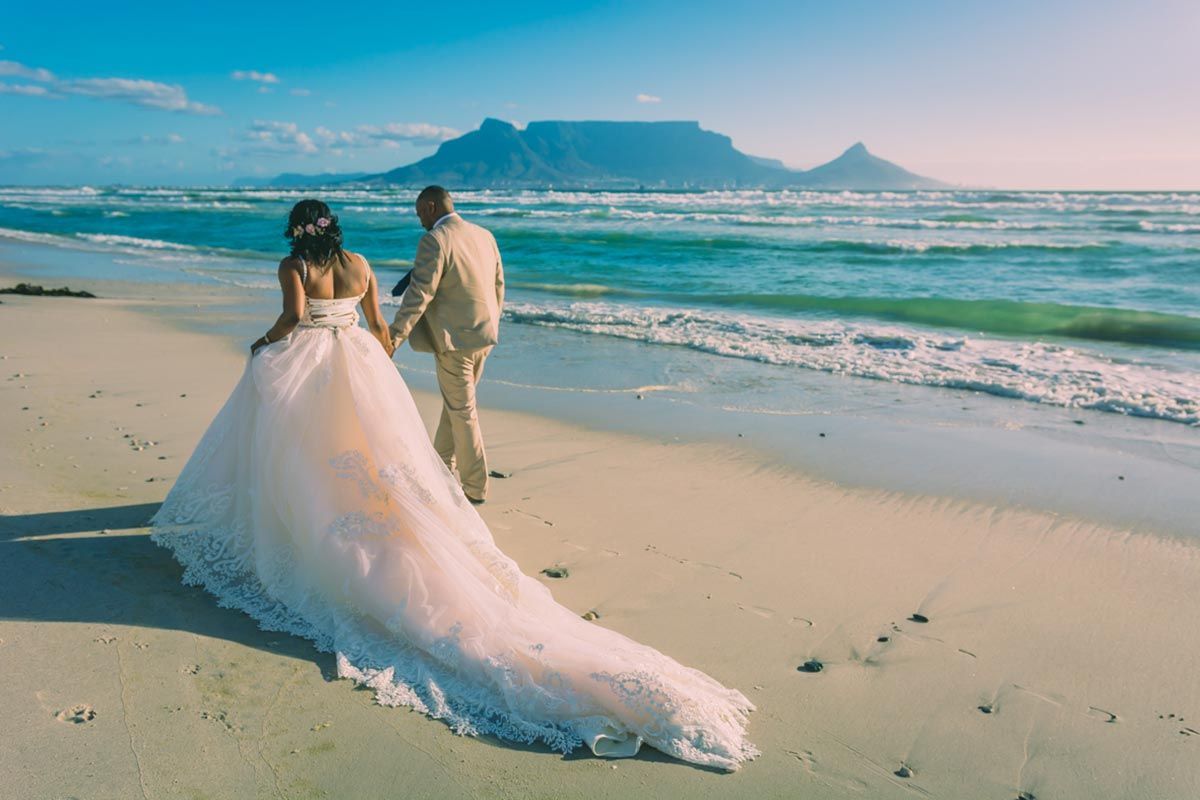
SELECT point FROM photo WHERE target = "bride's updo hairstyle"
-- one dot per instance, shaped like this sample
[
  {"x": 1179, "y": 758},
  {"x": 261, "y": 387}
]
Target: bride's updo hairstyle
[{"x": 314, "y": 232}]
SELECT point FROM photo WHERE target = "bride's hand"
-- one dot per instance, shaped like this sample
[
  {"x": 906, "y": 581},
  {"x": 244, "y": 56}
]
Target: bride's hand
[{"x": 257, "y": 345}]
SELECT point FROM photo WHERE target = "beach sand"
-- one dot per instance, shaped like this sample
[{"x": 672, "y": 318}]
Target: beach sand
[{"x": 1052, "y": 657}]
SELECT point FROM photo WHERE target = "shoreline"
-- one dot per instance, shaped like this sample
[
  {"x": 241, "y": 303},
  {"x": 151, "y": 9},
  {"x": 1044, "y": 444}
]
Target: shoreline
[
  {"x": 1097, "y": 466},
  {"x": 1073, "y": 635}
]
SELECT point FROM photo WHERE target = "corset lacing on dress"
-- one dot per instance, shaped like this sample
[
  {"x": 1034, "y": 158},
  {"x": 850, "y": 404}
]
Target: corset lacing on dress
[
  {"x": 333, "y": 312},
  {"x": 336, "y": 313}
]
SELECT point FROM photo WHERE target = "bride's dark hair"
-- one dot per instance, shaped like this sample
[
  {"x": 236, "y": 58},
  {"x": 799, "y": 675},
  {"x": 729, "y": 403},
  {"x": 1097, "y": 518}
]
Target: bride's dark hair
[{"x": 314, "y": 232}]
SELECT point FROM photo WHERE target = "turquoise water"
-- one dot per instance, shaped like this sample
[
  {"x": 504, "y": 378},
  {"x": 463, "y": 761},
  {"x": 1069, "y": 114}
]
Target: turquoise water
[{"x": 1075, "y": 299}]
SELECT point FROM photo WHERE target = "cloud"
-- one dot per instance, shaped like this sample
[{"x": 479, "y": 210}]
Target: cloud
[
  {"x": 390, "y": 135},
  {"x": 110, "y": 162},
  {"x": 139, "y": 92},
  {"x": 28, "y": 89},
  {"x": 11, "y": 69},
  {"x": 147, "y": 139},
  {"x": 254, "y": 75},
  {"x": 150, "y": 94},
  {"x": 280, "y": 137},
  {"x": 301, "y": 92},
  {"x": 648, "y": 98},
  {"x": 271, "y": 137},
  {"x": 23, "y": 156}
]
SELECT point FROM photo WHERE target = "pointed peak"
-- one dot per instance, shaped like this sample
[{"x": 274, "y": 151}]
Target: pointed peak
[{"x": 856, "y": 149}]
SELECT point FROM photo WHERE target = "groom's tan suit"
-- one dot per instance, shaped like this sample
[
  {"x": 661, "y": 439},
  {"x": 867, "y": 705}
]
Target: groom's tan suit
[{"x": 452, "y": 309}]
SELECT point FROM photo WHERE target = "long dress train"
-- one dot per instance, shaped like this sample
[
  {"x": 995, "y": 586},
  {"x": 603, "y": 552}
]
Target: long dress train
[{"x": 316, "y": 503}]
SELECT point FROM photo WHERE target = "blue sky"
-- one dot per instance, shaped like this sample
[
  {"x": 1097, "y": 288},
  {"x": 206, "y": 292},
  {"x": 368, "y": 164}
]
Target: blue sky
[{"x": 1056, "y": 94}]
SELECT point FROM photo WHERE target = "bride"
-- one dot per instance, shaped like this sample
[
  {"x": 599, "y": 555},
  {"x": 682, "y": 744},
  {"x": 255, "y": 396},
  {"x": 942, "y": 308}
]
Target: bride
[{"x": 316, "y": 503}]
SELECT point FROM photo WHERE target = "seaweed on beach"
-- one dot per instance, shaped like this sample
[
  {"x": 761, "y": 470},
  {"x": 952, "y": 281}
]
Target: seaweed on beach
[{"x": 33, "y": 290}]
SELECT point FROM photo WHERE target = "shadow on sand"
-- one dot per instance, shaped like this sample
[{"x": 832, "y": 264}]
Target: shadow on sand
[{"x": 57, "y": 567}]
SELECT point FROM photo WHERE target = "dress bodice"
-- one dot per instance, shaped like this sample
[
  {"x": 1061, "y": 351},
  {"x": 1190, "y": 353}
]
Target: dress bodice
[{"x": 338, "y": 312}]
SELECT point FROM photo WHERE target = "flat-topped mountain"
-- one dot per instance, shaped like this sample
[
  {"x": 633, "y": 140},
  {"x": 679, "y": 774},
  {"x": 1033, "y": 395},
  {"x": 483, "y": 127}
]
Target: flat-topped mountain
[
  {"x": 659, "y": 154},
  {"x": 652, "y": 155}
]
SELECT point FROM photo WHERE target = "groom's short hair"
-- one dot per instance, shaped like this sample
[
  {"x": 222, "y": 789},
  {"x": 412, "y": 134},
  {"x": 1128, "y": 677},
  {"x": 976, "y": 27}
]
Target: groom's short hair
[{"x": 435, "y": 193}]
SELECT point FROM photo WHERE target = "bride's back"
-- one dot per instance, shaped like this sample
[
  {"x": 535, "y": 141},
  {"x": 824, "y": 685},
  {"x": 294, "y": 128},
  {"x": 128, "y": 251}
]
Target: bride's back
[{"x": 345, "y": 275}]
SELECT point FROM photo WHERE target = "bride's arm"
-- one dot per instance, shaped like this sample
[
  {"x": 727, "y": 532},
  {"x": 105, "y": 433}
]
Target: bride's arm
[
  {"x": 374, "y": 317},
  {"x": 293, "y": 305}
]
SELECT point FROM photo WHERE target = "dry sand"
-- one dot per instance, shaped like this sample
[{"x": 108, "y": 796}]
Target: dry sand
[{"x": 1059, "y": 659}]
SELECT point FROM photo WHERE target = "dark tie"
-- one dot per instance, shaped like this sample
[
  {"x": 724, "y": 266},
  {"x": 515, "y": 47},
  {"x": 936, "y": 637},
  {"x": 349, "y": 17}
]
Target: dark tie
[{"x": 402, "y": 284}]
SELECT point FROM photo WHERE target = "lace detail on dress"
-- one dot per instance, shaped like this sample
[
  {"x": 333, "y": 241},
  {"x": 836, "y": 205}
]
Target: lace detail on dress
[
  {"x": 352, "y": 465},
  {"x": 501, "y": 567},
  {"x": 358, "y": 526},
  {"x": 394, "y": 473}
]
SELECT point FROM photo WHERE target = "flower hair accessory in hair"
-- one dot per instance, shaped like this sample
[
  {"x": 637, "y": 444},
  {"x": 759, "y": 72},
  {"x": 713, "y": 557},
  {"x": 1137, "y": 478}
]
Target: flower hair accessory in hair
[{"x": 310, "y": 229}]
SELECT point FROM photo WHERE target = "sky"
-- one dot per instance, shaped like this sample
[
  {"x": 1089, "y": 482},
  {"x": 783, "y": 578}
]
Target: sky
[{"x": 1057, "y": 94}]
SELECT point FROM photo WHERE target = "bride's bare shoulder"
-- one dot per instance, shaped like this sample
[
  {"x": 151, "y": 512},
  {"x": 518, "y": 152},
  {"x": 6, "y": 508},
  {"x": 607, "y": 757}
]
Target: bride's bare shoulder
[
  {"x": 361, "y": 265},
  {"x": 288, "y": 263}
]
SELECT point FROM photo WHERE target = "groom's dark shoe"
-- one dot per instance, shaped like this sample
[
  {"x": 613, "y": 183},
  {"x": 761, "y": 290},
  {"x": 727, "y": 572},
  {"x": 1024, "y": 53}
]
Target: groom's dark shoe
[{"x": 478, "y": 501}]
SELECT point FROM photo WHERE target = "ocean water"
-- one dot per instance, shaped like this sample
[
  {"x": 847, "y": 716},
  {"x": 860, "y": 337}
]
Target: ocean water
[{"x": 1088, "y": 300}]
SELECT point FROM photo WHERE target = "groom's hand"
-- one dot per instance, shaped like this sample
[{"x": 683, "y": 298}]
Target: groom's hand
[{"x": 394, "y": 337}]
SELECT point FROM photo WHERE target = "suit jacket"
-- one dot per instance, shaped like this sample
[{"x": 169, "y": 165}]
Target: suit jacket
[{"x": 456, "y": 293}]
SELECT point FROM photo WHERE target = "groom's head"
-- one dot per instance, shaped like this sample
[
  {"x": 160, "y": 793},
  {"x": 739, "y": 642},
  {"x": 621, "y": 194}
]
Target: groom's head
[{"x": 433, "y": 203}]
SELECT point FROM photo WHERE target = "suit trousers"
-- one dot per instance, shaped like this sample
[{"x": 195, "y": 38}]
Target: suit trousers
[{"x": 459, "y": 440}]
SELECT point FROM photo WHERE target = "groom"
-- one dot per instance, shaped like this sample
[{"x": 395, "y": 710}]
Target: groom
[{"x": 451, "y": 308}]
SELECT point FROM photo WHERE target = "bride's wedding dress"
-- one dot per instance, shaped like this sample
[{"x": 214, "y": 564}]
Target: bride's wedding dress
[{"x": 316, "y": 503}]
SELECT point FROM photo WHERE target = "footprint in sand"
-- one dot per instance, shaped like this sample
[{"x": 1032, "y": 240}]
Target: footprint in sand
[
  {"x": 221, "y": 717},
  {"x": 105, "y": 639},
  {"x": 1105, "y": 716},
  {"x": 1177, "y": 718},
  {"x": 77, "y": 715},
  {"x": 762, "y": 611},
  {"x": 191, "y": 669},
  {"x": 805, "y": 757}
]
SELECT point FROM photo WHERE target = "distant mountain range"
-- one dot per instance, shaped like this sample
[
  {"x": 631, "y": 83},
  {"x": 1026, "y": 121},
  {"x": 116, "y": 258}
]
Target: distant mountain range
[
  {"x": 618, "y": 155},
  {"x": 290, "y": 180}
]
